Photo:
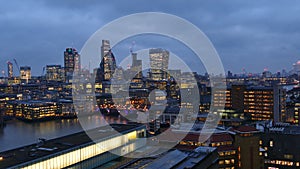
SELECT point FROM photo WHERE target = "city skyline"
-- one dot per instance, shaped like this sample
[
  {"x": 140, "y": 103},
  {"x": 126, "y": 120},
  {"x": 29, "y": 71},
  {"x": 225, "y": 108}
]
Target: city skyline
[
  {"x": 12, "y": 69},
  {"x": 150, "y": 84},
  {"x": 253, "y": 35}
]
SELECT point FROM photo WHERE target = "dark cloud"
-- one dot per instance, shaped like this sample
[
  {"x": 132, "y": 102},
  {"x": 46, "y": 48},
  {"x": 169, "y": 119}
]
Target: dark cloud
[{"x": 250, "y": 35}]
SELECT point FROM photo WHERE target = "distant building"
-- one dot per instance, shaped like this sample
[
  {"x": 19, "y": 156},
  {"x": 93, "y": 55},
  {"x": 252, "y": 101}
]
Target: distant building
[
  {"x": 159, "y": 61},
  {"x": 33, "y": 110},
  {"x": 25, "y": 73},
  {"x": 108, "y": 61},
  {"x": 54, "y": 73},
  {"x": 296, "y": 67},
  {"x": 10, "y": 70},
  {"x": 136, "y": 66},
  {"x": 71, "y": 62}
]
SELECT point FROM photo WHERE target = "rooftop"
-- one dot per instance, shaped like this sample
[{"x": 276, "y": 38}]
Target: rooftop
[
  {"x": 181, "y": 159},
  {"x": 245, "y": 129},
  {"x": 48, "y": 147}
]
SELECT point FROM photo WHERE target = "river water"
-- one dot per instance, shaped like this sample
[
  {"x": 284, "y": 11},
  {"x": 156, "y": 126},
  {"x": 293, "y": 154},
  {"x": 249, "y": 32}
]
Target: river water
[{"x": 18, "y": 133}]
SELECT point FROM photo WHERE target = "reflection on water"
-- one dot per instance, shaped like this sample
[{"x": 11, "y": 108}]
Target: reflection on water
[{"x": 18, "y": 133}]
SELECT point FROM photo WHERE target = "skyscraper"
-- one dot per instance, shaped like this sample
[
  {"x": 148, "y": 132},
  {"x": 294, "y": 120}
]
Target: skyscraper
[
  {"x": 105, "y": 48},
  {"x": 72, "y": 62},
  {"x": 10, "y": 70},
  {"x": 108, "y": 61},
  {"x": 136, "y": 66},
  {"x": 159, "y": 60}
]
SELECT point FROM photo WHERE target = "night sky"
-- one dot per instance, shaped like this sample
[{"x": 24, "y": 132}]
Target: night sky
[{"x": 250, "y": 35}]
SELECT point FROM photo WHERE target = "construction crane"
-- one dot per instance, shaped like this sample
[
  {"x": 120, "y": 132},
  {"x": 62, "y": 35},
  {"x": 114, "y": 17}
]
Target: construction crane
[{"x": 18, "y": 67}]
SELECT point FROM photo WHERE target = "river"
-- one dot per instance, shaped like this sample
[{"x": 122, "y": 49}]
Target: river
[{"x": 18, "y": 133}]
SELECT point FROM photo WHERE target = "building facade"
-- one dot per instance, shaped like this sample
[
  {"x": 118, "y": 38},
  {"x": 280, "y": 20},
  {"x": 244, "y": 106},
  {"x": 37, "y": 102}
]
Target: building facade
[
  {"x": 54, "y": 73},
  {"x": 159, "y": 61},
  {"x": 25, "y": 73},
  {"x": 10, "y": 70},
  {"x": 71, "y": 62}
]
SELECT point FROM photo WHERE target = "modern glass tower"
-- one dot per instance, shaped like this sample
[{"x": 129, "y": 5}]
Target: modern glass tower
[
  {"x": 159, "y": 61},
  {"x": 10, "y": 69},
  {"x": 108, "y": 61},
  {"x": 71, "y": 62}
]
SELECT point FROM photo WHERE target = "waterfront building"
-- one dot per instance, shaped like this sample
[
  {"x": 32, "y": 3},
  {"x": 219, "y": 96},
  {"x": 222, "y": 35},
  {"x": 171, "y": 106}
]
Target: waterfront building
[
  {"x": 77, "y": 150},
  {"x": 32, "y": 110}
]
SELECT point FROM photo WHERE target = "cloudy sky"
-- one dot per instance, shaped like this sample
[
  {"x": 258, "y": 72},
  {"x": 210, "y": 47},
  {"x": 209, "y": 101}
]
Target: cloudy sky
[{"x": 250, "y": 35}]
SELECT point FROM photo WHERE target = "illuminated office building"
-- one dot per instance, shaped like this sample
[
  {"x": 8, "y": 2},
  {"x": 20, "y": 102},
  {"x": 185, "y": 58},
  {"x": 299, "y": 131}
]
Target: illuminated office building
[
  {"x": 35, "y": 110},
  {"x": 77, "y": 150},
  {"x": 256, "y": 102},
  {"x": 71, "y": 62},
  {"x": 108, "y": 61},
  {"x": 10, "y": 70},
  {"x": 265, "y": 103},
  {"x": 222, "y": 98},
  {"x": 159, "y": 61},
  {"x": 53, "y": 73},
  {"x": 25, "y": 73}
]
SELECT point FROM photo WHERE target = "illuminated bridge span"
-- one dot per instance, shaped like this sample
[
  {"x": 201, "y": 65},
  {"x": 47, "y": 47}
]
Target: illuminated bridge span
[{"x": 77, "y": 150}]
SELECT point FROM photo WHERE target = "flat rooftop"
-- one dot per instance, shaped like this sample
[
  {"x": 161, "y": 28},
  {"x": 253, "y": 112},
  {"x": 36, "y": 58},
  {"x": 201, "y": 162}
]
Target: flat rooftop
[
  {"x": 181, "y": 159},
  {"x": 48, "y": 147}
]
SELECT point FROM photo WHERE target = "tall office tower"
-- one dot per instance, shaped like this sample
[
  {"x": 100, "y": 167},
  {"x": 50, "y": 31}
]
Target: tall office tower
[
  {"x": 25, "y": 73},
  {"x": 105, "y": 48},
  {"x": 10, "y": 69},
  {"x": 159, "y": 60},
  {"x": 53, "y": 72},
  {"x": 72, "y": 62},
  {"x": 136, "y": 66},
  {"x": 108, "y": 61}
]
